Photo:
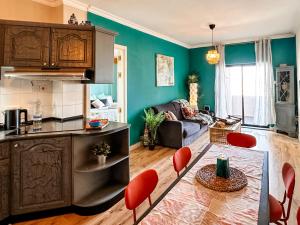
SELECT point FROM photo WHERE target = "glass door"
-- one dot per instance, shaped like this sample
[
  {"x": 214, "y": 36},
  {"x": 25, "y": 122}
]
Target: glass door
[{"x": 242, "y": 96}]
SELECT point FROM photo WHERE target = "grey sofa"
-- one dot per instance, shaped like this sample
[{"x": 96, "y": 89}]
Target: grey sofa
[{"x": 175, "y": 134}]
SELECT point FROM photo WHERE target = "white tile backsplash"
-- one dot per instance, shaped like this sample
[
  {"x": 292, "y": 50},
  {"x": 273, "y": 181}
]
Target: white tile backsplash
[
  {"x": 68, "y": 111},
  {"x": 59, "y": 99}
]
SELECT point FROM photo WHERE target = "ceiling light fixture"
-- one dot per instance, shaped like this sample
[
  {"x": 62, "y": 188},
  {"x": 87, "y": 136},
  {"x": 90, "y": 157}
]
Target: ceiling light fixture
[{"x": 212, "y": 56}]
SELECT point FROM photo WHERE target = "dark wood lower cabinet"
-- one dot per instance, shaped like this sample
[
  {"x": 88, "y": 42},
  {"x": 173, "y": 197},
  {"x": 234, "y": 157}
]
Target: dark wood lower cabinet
[
  {"x": 41, "y": 174},
  {"x": 4, "y": 188}
]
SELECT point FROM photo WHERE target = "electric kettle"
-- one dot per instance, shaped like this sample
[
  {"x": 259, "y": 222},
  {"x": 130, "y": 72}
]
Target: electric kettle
[{"x": 13, "y": 118}]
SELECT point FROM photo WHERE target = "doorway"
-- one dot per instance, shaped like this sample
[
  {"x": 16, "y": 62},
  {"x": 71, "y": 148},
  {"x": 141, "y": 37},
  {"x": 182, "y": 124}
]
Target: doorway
[
  {"x": 112, "y": 95},
  {"x": 242, "y": 92},
  {"x": 120, "y": 70}
]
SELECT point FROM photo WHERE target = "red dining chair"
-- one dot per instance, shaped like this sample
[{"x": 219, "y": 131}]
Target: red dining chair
[
  {"x": 139, "y": 189},
  {"x": 181, "y": 158},
  {"x": 298, "y": 216},
  {"x": 277, "y": 210},
  {"x": 241, "y": 140}
]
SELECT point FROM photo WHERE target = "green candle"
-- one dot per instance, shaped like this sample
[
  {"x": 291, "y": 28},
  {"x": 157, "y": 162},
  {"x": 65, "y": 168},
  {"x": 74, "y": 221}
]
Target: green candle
[{"x": 223, "y": 166}]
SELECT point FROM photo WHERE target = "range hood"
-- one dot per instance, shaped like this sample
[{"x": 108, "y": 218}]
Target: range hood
[{"x": 44, "y": 74}]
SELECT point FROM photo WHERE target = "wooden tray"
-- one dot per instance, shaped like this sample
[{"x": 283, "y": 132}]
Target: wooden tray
[
  {"x": 104, "y": 123},
  {"x": 207, "y": 177}
]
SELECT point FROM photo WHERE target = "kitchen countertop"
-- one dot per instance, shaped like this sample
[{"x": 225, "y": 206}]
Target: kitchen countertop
[{"x": 57, "y": 128}]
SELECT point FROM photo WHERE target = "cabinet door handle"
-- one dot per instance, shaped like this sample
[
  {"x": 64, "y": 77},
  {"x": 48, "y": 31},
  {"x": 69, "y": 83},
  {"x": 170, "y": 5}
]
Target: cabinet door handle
[{"x": 16, "y": 145}]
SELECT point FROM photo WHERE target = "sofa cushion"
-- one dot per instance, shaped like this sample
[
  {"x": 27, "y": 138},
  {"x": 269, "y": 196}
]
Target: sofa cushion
[
  {"x": 190, "y": 128},
  {"x": 178, "y": 112},
  {"x": 165, "y": 108}
]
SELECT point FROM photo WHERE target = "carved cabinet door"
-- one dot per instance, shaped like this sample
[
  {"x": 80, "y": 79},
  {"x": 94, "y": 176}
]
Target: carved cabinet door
[
  {"x": 4, "y": 180},
  {"x": 26, "y": 46},
  {"x": 4, "y": 188},
  {"x": 41, "y": 174},
  {"x": 72, "y": 48}
]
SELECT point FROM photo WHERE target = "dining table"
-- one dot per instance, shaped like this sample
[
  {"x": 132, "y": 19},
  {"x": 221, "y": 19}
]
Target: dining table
[{"x": 187, "y": 202}]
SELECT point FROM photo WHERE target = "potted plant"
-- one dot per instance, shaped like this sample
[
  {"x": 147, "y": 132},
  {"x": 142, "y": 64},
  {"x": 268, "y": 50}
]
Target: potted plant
[
  {"x": 153, "y": 121},
  {"x": 101, "y": 151}
]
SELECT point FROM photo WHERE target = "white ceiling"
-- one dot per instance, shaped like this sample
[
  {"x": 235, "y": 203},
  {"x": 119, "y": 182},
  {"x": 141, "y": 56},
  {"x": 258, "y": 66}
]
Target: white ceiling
[{"x": 187, "y": 20}]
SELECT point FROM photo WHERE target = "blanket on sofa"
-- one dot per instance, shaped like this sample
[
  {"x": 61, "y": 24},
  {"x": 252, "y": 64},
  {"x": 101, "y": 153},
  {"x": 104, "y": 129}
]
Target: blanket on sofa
[{"x": 197, "y": 116}]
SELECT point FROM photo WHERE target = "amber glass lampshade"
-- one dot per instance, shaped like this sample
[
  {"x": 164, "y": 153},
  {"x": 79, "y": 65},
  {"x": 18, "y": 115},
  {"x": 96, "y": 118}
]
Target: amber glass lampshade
[{"x": 213, "y": 57}]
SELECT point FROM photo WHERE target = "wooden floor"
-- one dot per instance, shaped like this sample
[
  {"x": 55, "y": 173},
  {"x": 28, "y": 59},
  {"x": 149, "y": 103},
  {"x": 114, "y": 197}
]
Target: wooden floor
[{"x": 281, "y": 149}]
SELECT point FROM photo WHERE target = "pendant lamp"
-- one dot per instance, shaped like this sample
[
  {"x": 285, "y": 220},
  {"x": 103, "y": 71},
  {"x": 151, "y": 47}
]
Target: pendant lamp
[{"x": 212, "y": 56}]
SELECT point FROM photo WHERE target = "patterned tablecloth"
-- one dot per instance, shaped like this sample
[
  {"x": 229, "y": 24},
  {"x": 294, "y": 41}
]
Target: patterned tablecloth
[{"x": 188, "y": 202}]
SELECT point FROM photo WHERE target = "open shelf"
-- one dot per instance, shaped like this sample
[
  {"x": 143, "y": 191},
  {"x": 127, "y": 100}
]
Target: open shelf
[
  {"x": 103, "y": 195},
  {"x": 95, "y": 184},
  {"x": 92, "y": 166}
]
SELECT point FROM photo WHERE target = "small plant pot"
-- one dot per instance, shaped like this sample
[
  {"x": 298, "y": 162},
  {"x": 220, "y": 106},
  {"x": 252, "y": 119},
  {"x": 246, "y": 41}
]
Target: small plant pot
[
  {"x": 101, "y": 159},
  {"x": 151, "y": 146}
]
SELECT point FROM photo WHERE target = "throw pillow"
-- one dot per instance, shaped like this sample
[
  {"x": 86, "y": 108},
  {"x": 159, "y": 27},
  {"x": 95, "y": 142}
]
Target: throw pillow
[
  {"x": 170, "y": 116},
  {"x": 188, "y": 112},
  {"x": 98, "y": 104},
  {"x": 104, "y": 100}
]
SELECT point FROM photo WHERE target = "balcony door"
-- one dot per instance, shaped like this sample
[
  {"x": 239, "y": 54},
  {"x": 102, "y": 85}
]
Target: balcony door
[{"x": 242, "y": 92}]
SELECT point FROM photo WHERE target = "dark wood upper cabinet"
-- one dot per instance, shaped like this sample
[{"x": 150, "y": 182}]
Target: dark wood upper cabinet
[
  {"x": 26, "y": 46},
  {"x": 41, "y": 174},
  {"x": 58, "y": 46},
  {"x": 72, "y": 48}
]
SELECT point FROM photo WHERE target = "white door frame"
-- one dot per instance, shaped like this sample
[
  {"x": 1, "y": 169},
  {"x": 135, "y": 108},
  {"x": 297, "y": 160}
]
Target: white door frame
[{"x": 123, "y": 69}]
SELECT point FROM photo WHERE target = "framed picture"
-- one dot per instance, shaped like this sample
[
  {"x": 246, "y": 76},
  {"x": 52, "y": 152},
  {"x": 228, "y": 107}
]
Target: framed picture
[{"x": 164, "y": 70}]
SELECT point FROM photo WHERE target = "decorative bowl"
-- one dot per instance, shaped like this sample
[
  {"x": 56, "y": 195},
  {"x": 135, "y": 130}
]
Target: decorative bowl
[{"x": 95, "y": 123}]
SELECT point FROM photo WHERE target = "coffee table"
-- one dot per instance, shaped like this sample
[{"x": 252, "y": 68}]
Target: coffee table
[{"x": 218, "y": 135}]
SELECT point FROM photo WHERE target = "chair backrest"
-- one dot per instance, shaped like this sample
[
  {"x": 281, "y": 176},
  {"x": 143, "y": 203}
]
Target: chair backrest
[
  {"x": 298, "y": 216},
  {"x": 241, "y": 140},
  {"x": 181, "y": 158},
  {"x": 288, "y": 176},
  {"x": 140, "y": 188}
]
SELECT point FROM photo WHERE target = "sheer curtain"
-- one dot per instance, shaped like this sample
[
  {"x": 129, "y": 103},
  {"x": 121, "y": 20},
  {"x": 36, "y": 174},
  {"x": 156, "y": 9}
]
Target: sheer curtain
[
  {"x": 222, "y": 87},
  {"x": 264, "y": 113}
]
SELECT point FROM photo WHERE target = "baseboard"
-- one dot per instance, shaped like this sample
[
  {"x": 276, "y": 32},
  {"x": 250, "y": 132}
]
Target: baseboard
[{"x": 135, "y": 146}]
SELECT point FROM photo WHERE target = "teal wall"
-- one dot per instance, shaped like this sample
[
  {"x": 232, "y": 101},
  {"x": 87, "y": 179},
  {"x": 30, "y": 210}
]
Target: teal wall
[
  {"x": 141, "y": 51},
  {"x": 206, "y": 72},
  {"x": 283, "y": 52}
]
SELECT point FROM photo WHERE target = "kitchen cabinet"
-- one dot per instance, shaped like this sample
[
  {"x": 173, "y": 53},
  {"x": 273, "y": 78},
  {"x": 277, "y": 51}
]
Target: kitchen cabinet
[
  {"x": 26, "y": 46},
  {"x": 45, "y": 45},
  {"x": 41, "y": 174},
  {"x": 72, "y": 48},
  {"x": 30, "y": 45},
  {"x": 4, "y": 180},
  {"x": 104, "y": 53}
]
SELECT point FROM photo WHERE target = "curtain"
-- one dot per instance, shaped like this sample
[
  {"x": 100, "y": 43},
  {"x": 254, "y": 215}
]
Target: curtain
[
  {"x": 264, "y": 113},
  {"x": 222, "y": 87}
]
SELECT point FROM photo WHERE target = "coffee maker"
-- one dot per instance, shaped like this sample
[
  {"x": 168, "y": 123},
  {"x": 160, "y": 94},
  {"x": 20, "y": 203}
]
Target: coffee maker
[{"x": 13, "y": 118}]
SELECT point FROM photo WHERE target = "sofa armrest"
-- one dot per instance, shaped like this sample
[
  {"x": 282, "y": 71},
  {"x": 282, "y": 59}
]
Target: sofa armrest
[{"x": 170, "y": 134}]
